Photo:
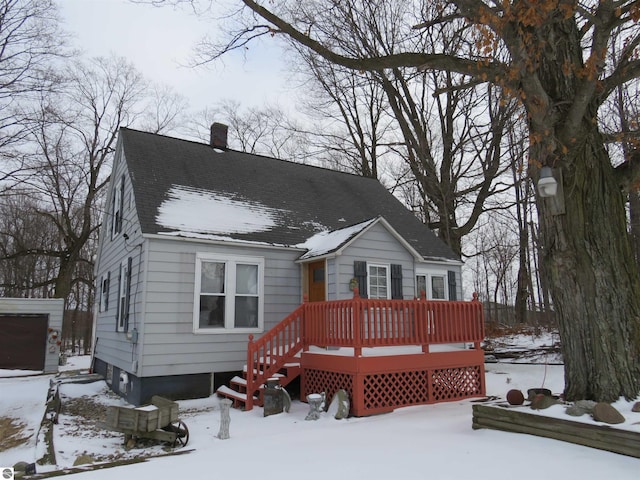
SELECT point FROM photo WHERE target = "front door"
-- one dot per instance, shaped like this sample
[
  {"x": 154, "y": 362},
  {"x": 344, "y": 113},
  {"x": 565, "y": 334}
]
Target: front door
[{"x": 317, "y": 281}]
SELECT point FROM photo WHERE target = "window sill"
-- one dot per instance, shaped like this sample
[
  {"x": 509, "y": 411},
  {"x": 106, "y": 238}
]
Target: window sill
[{"x": 226, "y": 331}]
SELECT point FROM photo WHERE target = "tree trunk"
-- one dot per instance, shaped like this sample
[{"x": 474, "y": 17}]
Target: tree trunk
[
  {"x": 64, "y": 280},
  {"x": 587, "y": 250},
  {"x": 634, "y": 217},
  {"x": 523, "y": 281}
]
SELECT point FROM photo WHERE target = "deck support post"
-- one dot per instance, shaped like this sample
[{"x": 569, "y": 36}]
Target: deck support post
[
  {"x": 248, "y": 404},
  {"x": 303, "y": 323},
  {"x": 356, "y": 310}
]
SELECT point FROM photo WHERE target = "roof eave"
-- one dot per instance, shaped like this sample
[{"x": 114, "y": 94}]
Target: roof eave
[
  {"x": 220, "y": 241},
  {"x": 443, "y": 260}
]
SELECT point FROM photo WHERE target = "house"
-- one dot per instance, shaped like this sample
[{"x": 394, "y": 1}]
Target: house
[
  {"x": 30, "y": 337},
  {"x": 202, "y": 246}
]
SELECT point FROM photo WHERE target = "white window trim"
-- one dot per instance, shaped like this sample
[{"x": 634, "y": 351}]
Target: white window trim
[
  {"x": 388, "y": 275},
  {"x": 104, "y": 293},
  {"x": 445, "y": 281},
  {"x": 429, "y": 274},
  {"x": 230, "y": 281}
]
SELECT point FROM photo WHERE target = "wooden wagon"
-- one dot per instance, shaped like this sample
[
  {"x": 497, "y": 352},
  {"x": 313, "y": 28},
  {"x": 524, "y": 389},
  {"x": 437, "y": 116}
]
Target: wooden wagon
[{"x": 157, "y": 421}]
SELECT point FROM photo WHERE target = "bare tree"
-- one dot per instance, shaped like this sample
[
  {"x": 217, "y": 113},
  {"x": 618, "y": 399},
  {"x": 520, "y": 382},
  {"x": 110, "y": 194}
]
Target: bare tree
[
  {"x": 445, "y": 129},
  {"x": 165, "y": 110},
  {"x": 22, "y": 229},
  {"x": 621, "y": 123},
  {"x": 525, "y": 295},
  {"x": 71, "y": 145},
  {"x": 555, "y": 63},
  {"x": 30, "y": 40},
  {"x": 265, "y": 131},
  {"x": 348, "y": 109}
]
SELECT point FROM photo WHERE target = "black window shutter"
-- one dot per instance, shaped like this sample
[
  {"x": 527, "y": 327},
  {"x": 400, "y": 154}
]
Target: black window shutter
[
  {"x": 106, "y": 292},
  {"x": 396, "y": 281},
  {"x": 113, "y": 216},
  {"x": 118, "y": 299},
  {"x": 100, "y": 290},
  {"x": 453, "y": 295},
  {"x": 121, "y": 212},
  {"x": 360, "y": 273},
  {"x": 127, "y": 300}
]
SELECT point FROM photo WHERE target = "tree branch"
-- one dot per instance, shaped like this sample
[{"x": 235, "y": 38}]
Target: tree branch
[
  {"x": 628, "y": 173},
  {"x": 405, "y": 59}
]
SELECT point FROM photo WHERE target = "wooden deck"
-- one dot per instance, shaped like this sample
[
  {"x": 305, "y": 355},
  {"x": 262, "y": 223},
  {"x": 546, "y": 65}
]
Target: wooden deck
[
  {"x": 380, "y": 380},
  {"x": 384, "y": 353}
]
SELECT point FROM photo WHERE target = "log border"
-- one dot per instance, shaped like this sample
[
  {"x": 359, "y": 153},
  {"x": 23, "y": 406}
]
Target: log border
[{"x": 598, "y": 436}]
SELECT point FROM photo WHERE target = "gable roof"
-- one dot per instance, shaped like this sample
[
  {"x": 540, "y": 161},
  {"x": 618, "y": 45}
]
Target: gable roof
[
  {"x": 190, "y": 189},
  {"x": 334, "y": 242},
  {"x": 325, "y": 242}
]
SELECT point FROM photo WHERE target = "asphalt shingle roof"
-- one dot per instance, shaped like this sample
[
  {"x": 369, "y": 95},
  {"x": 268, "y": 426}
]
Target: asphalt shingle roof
[{"x": 307, "y": 198}]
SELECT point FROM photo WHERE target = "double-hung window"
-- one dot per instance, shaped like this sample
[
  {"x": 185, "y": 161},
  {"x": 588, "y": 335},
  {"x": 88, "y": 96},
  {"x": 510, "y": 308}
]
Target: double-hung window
[
  {"x": 433, "y": 285},
  {"x": 228, "y": 293},
  {"x": 379, "y": 280}
]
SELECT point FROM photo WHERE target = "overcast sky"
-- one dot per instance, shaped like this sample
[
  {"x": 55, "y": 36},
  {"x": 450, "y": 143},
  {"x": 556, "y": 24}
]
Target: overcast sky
[{"x": 160, "y": 42}]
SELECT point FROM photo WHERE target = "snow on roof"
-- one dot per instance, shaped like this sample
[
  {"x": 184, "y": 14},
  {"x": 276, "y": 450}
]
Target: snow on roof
[
  {"x": 324, "y": 242},
  {"x": 204, "y": 214},
  {"x": 190, "y": 210}
]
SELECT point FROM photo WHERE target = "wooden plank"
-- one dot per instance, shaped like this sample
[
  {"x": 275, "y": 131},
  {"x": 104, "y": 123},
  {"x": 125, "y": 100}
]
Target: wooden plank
[
  {"x": 168, "y": 410},
  {"x": 519, "y": 417},
  {"x": 602, "y": 437},
  {"x": 133, "y": 419},
  {"x": 604, "y": 444},
  {"x": 160, "y": 435}
]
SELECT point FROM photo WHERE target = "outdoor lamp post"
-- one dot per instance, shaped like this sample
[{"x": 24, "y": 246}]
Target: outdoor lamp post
[{"x": 547, "y": 185}]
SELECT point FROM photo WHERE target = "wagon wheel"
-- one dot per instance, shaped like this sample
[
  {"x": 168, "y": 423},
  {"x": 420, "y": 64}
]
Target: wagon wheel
[{"x": 181, "y": 431}]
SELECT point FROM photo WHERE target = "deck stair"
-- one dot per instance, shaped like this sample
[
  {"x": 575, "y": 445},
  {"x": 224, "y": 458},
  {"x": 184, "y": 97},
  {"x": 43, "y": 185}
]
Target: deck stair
[
  {"x": 237, "y": 389},
  {"x": 275, "y": 354}
]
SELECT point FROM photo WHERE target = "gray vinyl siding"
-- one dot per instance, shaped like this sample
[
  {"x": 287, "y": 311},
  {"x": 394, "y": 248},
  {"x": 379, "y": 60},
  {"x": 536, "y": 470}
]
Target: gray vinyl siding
[
  {"x": 170, "y": 346},
  {"x": 116, "y": 348},
  {"x": 53, "y": 307},
  {"x": 376, "y": 245},
  {"x": 331, "y": 270}
]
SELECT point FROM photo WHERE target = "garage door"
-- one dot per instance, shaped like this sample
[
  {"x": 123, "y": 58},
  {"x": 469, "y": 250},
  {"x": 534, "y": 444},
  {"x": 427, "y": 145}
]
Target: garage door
[{"x": 23, "y": 340}]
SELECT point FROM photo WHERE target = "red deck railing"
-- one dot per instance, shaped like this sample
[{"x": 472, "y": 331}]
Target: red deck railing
[{"x": 360, "y": 323}]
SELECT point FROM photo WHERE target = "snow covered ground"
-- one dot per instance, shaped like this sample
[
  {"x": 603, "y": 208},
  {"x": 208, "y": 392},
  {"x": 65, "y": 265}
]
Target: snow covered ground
[
  {"x": 424, "y": 442},
  {"x": 540, "y": 347}
]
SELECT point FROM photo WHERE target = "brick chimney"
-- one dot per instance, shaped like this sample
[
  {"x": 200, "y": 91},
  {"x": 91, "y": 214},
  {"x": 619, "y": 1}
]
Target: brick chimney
[{"x": 219, "y": 135}]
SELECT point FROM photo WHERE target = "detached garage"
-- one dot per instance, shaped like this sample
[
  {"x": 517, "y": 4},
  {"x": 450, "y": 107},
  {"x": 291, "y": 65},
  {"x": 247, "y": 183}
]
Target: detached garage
[{"x": 29, "y": 333}]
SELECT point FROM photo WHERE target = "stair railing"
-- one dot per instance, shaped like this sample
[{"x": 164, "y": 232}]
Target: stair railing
[{"x": 273, "y": 350}]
